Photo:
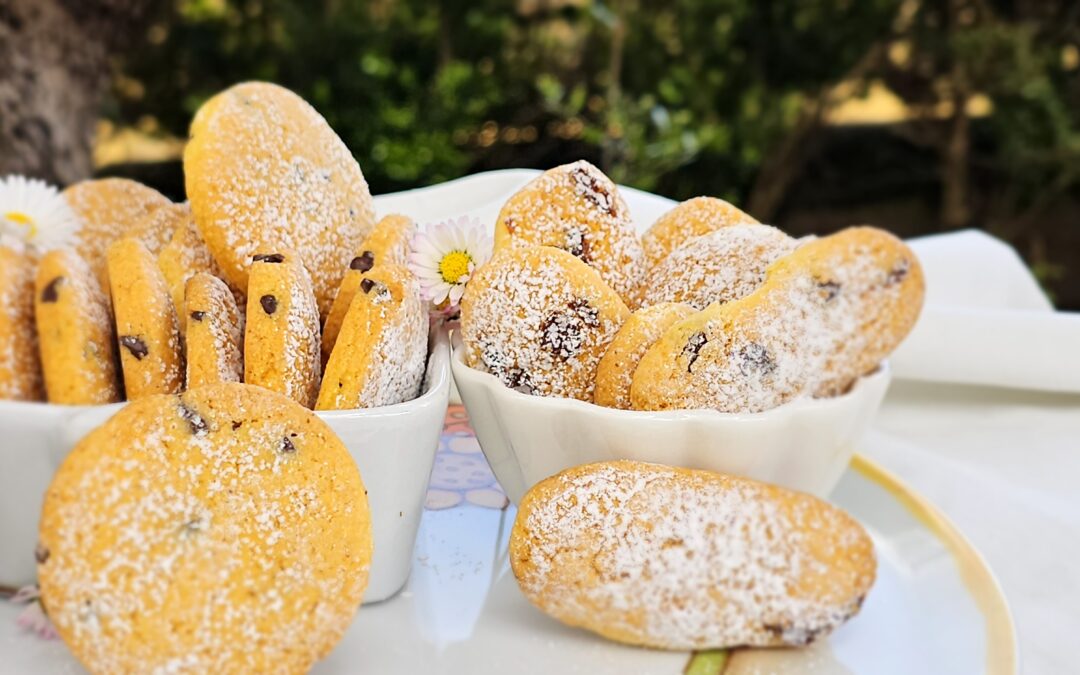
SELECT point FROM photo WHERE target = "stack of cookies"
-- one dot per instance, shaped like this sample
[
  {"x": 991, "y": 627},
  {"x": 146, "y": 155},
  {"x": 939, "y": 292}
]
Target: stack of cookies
[
  {"x": 708, "y": 310},
  {"x": 274, "y": 274}
]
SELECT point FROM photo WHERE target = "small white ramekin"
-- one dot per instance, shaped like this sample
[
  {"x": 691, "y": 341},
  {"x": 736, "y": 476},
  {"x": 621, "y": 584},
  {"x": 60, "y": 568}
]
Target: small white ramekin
[
  {"x": 394, "y": 446},
  {"x": 804, "y": 445}
]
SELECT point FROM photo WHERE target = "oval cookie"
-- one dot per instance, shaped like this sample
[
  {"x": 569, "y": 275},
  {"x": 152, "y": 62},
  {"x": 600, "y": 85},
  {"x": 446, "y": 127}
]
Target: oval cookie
[
  {"x": 75, "y": 332},
  {"x": 577, "y": 208},
  {"x": 222, "y": 531},
  {"x": 683, "y": 559},
  {"x": 20, "y": 364},
  {"x": 615, "y": 372},
  {"x": 539, "y": 319},
  {"x": 826, "y": 314},
  {"x": 381, "y": 352},
  {"x": 265, "y": 172},
  {"x": 687, "y": 220},
  {"x": 215, "y": 332}
]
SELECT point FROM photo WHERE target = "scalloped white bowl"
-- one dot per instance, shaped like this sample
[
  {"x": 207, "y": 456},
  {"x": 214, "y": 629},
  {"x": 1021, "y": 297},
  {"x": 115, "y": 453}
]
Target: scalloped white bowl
[
  {"x": 803, "y": 445},
  {"x": 394, "y": 447}
]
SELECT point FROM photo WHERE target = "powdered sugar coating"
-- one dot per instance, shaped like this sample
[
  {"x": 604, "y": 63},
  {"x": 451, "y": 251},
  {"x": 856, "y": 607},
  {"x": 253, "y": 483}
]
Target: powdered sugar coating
[
  {"x": 577, "y": 208},
  {"x": 224, "y": 531},
  {"x": 615, "y": 373},
  {"x": 156, "y": 229},
  {"x": 215, "y": 332},
  {"x": 20, "y": 365},
  {"x": 721, "y": 266},
  {"x": 539, "y": 319},
  {"x": 265, "y": 172},
  {"x": 681, "y": 559},
  {"x": 687, "y": 220}
]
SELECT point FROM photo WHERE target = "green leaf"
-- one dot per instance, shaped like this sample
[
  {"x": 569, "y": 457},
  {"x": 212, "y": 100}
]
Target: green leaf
[{"x": 707, "y": 663}]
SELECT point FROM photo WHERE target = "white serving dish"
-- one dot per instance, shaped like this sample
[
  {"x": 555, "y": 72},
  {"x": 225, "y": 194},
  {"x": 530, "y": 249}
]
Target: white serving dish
[
  {"x": 394, "y": 446},
  {"x": 803, "y": 445}
]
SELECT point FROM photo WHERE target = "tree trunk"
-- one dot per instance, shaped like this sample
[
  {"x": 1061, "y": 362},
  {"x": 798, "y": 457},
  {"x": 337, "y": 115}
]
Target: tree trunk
[{"x": 54, "y": 68}]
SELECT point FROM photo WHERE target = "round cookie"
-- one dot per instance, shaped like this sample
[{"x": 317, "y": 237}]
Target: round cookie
[
  {"x": 683, "y": 559},
  {"x": 147, "y": 330},
  {"x": 265, "y": 172},
  {"x": 185, "y": 256},
  {"x": 281, "y": 337},
  {"x": 826, "y": 314},
  {"x": 75, "y": 332},
  {"x": 687, "y": 220},
  {"x": 20, "y": 364},
  {"x": 577, "y": 208},
  {"x": 616, "y": 369},
  {"x": 721, "y": 266},
  {"x": 381, "y": 352},
  {"x": 109, "y": 208},
  {"x": 215, "y": 332},
  {"x": 539, "y": 319},
  {"x": 222, "y": 531},
  {"x": 158, "y": 227}
]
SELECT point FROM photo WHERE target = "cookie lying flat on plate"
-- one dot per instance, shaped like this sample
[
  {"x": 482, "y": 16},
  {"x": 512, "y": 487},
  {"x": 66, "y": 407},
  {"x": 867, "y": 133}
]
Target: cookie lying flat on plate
[
  {"x": 687, "y": 220},
  {"x": 222, "y": 531},
  {"x": 381, "y": 351},
  {"x": 825, "y": 315},
  {"x": 281, "y": 337},
  {"x": 20, "y": 364},
  {"x": 721, "y": 266},
  {"x": 539, "y": 319},
  {"x": 577, "y": 208},
  {"x": 75, "y": 332},
  {"x": 215, "y": 332},
  {"x": 615, "y": 372},
  {"x": 147, "y": 330},
  {"x": 266, "y": 173},
  {"x": 683, "y": 559}
]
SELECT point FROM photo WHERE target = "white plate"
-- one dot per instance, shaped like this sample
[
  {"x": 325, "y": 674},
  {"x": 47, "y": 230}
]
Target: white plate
[{"x": 936, "y": 607}]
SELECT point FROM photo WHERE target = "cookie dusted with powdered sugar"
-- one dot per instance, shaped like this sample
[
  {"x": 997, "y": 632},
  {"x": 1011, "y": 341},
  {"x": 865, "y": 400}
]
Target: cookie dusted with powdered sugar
[
  {"x": 215, "y": 332},
  {"x": 682, "y": 559},
  {"x": 615, "y": 372},
  {"x": 75, "y": 332},
  {"x": 226, "y": 530},
  {"x": 20, "y": 364},
  {"x": 825, "y": 315},
  {"x": 539, "y": 319},
  {"x": 577, "y": 208},
  {"x": 147, "y": 328},
  {"x": 381, "y": 351},
  {"x": 721, "y": 266},
  {"x": 687, "y": 220},
  {"x": 281, "y": 337},
  {"x": 265, "y": 172}
]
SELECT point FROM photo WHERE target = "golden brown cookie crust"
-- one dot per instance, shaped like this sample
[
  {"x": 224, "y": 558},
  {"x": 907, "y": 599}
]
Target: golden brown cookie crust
[
  {"x": 687, "y": 220},
  {"x": 215, "y": 332},
  {"x": 20, "y": 364},
  {"x": 615, "y": 372}
]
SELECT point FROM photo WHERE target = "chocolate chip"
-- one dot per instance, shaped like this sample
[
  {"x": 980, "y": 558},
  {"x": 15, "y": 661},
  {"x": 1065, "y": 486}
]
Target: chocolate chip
[
  {"x": 287, "y": 446},
  {"x": 829, "y": 289},
  {"x": 563, "y": 331},
  {"x": 268, "y": 258},
  {"x": 577, "y": 244},
  {"x": 366, "y": 285},
  {"x": 51, "y": 292},
  {"x": 236, "y": 425},
  {"x": 198, "y": 316},
  {"x": 692, "y": 348},
  {"x": 510, "y": 225},
  {"x": 898, "y": 273},
  {"x": 198, "y": 424},
  {"x": 41, "y": 554},
  {"x": 363, "y": 262},
  {"x": 135, "y": 345},
  {"x": 269, "y": 303},
  {"x": 754, "y": 359},
  {"x": 500, "y": 366},
  {"x": 594, "y": 190}
]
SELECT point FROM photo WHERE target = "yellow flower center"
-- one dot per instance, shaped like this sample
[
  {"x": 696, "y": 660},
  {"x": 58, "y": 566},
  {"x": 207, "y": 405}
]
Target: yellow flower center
[
  {"x": 454, "y": 265},
  {"x": 22, "y": 219}
]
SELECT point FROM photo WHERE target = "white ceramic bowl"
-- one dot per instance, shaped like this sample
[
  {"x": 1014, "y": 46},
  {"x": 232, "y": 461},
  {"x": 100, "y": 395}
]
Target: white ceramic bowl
[
  {"x": 804, "y": 445},
  {"x": 394, "y": 446}
]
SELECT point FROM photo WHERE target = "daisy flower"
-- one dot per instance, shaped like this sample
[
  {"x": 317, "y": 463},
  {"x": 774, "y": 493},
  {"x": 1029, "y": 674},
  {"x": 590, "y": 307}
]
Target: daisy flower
[
  {"x": 34, "y": 215},
  {"x": 444, "y": 256}
]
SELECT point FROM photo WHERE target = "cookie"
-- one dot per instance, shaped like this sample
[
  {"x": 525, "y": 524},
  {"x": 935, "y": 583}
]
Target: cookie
[
  {"x": 20, "y": 365},
  {"x": 215, "y": 332},
  {"x": 616, "y": 369},
  {"x": 157, "y": 228},
  {"x": 721, "y": 266},
  {"x": 825, "y": 315},
  {"x": 683, "y": 559},
  {"x": 381, "y": 352},
  {"x": 281, "y": 338},
  {"x": 265, "y": 172},
  {"x": 147, "y": 328},
  {"x": 75, "y": 332},
  {"x": 222, "y": 531},
  {"x": 389, "y": 244},
  {"x": 109, "y": 209},
  {"x": 689, "y": 219},
  {"x": 539, "y": 319},
  {"x": 577, "y": 208},
  {"x": 185, "y": 256}
]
